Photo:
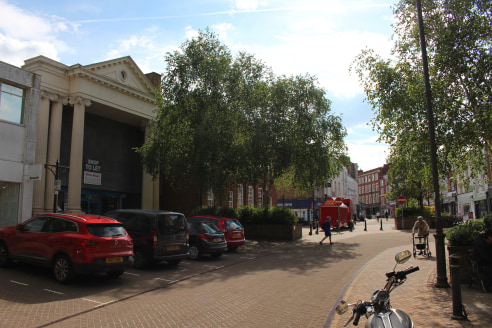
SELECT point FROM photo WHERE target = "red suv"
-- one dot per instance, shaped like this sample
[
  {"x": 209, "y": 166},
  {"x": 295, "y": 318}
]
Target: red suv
[
  {"x": 232, "y": 229},
  {"x": 69, "y": 244}
]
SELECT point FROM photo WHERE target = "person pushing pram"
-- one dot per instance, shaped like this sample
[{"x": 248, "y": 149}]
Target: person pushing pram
[{"x": 421, "y": 228}]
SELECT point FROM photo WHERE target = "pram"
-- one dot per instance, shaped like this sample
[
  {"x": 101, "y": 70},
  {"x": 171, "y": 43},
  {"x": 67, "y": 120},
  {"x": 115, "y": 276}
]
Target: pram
[{"x": 421, "y": 244}]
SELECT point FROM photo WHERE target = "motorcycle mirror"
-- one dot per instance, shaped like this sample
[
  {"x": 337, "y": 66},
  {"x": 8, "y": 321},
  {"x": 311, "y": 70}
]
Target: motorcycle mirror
[
  {"x": 341, "y": 308},
  {"x": 403, "y": 256}
]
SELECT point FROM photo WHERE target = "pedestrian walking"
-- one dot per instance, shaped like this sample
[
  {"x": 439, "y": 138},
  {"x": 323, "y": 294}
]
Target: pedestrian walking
[{"x": 327, "y": 229}]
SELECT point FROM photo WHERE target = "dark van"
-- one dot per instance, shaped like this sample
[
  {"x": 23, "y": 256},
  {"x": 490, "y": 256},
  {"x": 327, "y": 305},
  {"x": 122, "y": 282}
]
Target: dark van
[{"x": 157, "y": 235}]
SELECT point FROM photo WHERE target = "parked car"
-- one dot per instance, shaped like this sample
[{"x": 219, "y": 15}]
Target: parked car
[
  {"x": 158, "y": 236},
  {"x": 69, "y": 244},
  {"x": 205, "y": 238},
  {"x": 232, "y": 229}
]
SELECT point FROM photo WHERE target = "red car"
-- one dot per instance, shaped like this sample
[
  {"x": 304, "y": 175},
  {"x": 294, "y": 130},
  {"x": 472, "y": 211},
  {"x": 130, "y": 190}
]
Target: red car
[
  {"x": 232, "y": 229},
  {"x": 69, "y": 244}
]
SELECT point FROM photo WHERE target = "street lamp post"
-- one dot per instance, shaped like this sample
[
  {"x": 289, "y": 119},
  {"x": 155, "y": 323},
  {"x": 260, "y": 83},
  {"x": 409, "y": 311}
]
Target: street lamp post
[
  {"x": 55, "y": 169},
  {"x": 442, "y": 280}
]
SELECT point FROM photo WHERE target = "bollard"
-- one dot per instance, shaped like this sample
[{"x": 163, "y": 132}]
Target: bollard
[
  {"x": 381, "y": 225},
  {"x": 458, "y": 308},
  {"x": 365, "y": 224},
  {"x": 317, "y": 226},
  {"x": 310, "y": 228}
]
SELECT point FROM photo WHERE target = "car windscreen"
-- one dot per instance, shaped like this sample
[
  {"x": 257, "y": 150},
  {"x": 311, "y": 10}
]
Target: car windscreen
[
  {"x": 233, "y": 224},
  {"x": 106, "y": 230},
  {"x": 169, "y": 224},
  {"x": 197, "y": 227}
]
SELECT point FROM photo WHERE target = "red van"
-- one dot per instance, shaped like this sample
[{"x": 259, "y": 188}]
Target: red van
[{"x": 232, "y": 229}]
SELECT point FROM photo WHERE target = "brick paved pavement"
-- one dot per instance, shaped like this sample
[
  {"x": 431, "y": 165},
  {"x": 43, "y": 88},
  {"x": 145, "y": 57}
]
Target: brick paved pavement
[
  {"x": 427, "y": 306},
  {"x": 250, "y": 303}
]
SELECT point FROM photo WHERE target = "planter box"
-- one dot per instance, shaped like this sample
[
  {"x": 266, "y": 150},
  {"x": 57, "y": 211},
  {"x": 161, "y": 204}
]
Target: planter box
[
  {"x": 273, "y": 231},
  {"x": 462, "y": 252},
  {"x": 408, "y": 222}
]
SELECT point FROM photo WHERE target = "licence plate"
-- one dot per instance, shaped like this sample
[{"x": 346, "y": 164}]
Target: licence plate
[
  {"x": 173, "y": 248},
  {"x": 217, "y": 240},
  {"x": 114, "y": 259},
  {"x": 236, "y": 235}
]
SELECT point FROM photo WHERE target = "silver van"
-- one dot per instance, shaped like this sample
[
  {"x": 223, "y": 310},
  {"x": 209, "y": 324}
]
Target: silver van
[{"x": 157, "y": 235}]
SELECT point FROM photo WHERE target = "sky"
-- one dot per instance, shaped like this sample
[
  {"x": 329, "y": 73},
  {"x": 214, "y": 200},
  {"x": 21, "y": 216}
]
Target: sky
[{"x": 293, "y": 37}]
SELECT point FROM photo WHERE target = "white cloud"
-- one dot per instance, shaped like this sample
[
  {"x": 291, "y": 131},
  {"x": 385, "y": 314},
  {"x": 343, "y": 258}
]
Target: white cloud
[
  {"x": 25, "y": 35},
  {"x": 369, "y": 155},
  {"x": 321, "y": 54}
]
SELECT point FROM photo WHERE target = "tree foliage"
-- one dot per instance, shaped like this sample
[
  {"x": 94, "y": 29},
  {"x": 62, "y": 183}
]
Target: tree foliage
[
  {"x": 222, "y": 119},
  {"x": 459, "y": 40}
]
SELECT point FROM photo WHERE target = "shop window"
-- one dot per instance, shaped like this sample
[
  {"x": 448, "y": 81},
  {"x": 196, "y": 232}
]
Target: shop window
[{"x": 11, "y": 103}]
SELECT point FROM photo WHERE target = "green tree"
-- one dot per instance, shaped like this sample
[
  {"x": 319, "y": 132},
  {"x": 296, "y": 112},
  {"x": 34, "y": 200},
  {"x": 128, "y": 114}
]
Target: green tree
[
  {"x": 222, "y": 119},
  {"x": 458, "y": 35}
]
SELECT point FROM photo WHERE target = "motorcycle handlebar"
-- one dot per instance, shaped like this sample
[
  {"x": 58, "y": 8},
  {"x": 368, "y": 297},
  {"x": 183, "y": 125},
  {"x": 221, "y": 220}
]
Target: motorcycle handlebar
[
  {"x": 402, "y": 274},
  {"x": 409, "y": 270},
  {"x": 356, "y": 320}
]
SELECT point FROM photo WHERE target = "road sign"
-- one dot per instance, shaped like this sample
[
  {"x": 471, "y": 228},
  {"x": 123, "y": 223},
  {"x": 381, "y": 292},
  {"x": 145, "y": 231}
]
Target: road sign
[
  {"x": 402, "y": 200},
  {"x": 338, "y": 201}
]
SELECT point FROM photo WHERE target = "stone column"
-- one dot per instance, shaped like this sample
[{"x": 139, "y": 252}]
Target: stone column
[
  {"x": 54, "y": 140},
  {"x": 76, "y": 154},
  {"x": 41, "y": 147}
]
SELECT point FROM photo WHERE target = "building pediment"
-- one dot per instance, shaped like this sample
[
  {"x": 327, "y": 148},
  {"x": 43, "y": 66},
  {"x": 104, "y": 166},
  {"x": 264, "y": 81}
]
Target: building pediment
[
  {"x": 121, "y": 71},
  {"x": 121, "y": 74}
]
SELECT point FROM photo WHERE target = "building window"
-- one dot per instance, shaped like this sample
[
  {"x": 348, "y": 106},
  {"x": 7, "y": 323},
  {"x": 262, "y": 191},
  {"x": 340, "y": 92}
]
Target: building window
[
  {"x": 11, "y": 103},
  {"x": 210, "y": 198},
  {"x": 240, "y": 195},
  {"x": 251, "y": 196},
  {"x": 231, "y": 199},
  {"x": 260, "y": 197}
]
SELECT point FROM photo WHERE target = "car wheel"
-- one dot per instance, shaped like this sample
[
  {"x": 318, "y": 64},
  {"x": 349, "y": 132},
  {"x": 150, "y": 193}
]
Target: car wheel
[
  {"x": 173, "y": 262},
  {"x": 216, "y": 255},
  {"x": 115, "y": 274},
  {"x": 140, "y": 261},
  {"x": 4, "y": 255},
  {"x": 194, "y": 253},
  {"x": 63, "y": 270}
]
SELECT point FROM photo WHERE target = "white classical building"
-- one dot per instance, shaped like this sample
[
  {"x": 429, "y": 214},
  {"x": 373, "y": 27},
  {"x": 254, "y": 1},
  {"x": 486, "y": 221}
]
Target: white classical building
[
  {"x": 90, "y": 120},
  {"x": 19, "y": 96},
  {"x": 345, "y": 186}
]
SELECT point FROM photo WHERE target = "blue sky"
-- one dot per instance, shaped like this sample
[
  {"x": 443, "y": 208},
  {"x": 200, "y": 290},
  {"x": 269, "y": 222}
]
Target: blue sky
[{"x": 319, "y": 37}]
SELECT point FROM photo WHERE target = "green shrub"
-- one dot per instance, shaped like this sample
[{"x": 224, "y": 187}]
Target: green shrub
[
  {"x": 464, "y": 234},
  {"x": 487, "y": 220},
  {"x": 204, "y": 210},
  {"x": 281, "y": 215},
  {"x": 251, "y": 215},
  {"x": 426, "y": 212},
  {"x": 216, "y": 211}
]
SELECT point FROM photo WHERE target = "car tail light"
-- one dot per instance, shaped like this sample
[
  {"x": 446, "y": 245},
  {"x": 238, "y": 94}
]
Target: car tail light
[
  {"x": 222, "y": 227},
  {"x": 155, "y": 238},
  {"x": 187, "y": 236},
  {"x": 203, "y": 237}
]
